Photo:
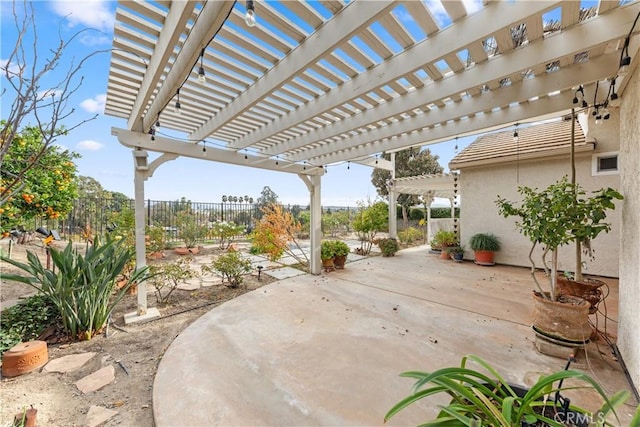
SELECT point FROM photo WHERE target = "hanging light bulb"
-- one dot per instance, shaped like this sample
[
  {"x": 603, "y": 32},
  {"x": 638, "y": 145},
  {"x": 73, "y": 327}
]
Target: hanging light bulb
[
  {"x": 245, "y": 156},
  {"x": 201, "y": 76},
  {"x": 605, "y": 114},
  {"x": 158, "y": 123},
  {"x": 625, "y": 60},
  {"x": 304, "y": 166},
  {"x": 177, "y": 108},
  {"x": 204, "y": 149},
  {"x": 152, "y": 132},
  {"x": 276, "y": 161},
  {"x": 516, "y": 136},
  {"x": 348, "y": 165},
  {"x": 250, "y": 16}
]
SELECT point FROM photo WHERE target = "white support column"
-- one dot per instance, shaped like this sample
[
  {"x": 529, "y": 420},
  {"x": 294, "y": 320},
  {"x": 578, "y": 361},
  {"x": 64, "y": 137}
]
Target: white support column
[
  {"x": 429, "y": 223},
  {"x": 393, "y": 197},
  {"x": 315, "y": 227},
  {"x": 141, "y": 173}
]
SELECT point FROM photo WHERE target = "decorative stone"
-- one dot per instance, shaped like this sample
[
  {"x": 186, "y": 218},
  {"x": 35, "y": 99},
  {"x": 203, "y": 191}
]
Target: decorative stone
[
  {"x": 68, "y": 363},
  {"x": 97, "y": 380},
  {"x": 24, "y": 357},
  {"x": 98, "y": 415}
]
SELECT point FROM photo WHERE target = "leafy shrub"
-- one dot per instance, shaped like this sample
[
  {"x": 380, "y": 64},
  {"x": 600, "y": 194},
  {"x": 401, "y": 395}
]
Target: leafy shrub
[
  {"x": 444, "y": 212},
  {"x": 274, "y": 233},
  {"x": 83, "y": 285},
  {"x": 157, "y": 238},
  {"x": 170, "y": 275},
  {"x": 189, "y": 230},
  {"x": 484, "y": 242},
  {"x": 232, "y": 267},
  {"x": 410, "y": 235},
  {"x": 327, "y": 249},
  {"x": 26, "y": 320},
  {"x": 368, "y": 222},
  {"x": 225, "y": 232},
  {"x": 388, "y": 246},
  {"x": 340, "y": 248},
  {"x": 443, "y": 239},
  {"x": 416, "y": 214}
]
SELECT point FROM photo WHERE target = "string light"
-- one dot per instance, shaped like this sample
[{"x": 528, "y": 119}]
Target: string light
[
  {"x": 201, "y": 76},
  {"x": 204, "y": 148},
  {"x": 250, "y": 16},
  {"x": 516, "y": 136},
  {"x": 348, "y": 165},
  {"x": 152, "y": 132}
]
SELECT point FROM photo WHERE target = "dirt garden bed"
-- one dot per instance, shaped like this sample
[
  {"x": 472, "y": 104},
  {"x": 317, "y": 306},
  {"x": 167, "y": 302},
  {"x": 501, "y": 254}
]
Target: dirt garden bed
[{"x": 134, "y": 350}]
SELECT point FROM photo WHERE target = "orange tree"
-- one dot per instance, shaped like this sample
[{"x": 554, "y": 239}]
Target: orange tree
[{"x": 47, "y": 180}]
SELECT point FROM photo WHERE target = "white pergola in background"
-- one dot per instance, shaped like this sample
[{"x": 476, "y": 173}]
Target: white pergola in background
[{"x": 315, "y": 83}]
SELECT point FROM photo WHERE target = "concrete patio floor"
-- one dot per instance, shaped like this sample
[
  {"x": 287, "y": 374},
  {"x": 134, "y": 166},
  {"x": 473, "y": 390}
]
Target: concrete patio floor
[{"x": 327, "y": 350}]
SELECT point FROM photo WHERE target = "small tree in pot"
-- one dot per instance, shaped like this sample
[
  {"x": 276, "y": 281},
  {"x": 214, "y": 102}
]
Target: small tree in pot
[{"x": 553, "y": 217}]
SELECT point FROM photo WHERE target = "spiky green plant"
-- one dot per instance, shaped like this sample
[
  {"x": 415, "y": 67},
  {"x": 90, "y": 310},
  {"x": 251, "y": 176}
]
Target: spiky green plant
[
  {"x": 82, "y": 286},
  {"x": 484, "y": 398}
]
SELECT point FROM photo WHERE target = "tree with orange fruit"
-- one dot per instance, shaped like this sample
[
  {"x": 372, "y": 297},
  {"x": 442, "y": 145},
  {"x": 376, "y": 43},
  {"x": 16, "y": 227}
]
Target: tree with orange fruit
[{"x": 47, "y": 189}]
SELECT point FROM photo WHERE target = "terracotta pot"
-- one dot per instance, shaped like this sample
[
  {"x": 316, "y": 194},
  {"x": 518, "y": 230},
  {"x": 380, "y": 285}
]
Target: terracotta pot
[
  {"x": 566, "y": 319},
  {"x": 24, "y": 357},
  {"x": 484, "y": 257},
  {"x": 327, "y": 263},
  {"x": 186, "y": 251},
  {"x": 588, "y": 289},
  {"x": 339, "y": 261},
  {"x": 444, "y": 254}
]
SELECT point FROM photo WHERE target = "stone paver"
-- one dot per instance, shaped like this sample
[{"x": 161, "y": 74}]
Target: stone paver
[
  {"x": 97, "y": 380},
  {"x": 98, "y": 415},
  {"x": 284, "y": 273},
  {"x": 68, "y": 363}
]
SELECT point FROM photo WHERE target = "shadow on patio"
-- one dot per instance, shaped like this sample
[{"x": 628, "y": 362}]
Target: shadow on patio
[{"x": 327, "y": 350}]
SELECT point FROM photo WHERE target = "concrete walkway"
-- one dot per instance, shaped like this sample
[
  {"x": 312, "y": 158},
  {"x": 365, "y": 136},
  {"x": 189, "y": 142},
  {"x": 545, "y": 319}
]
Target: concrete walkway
[{"x": 327, "y": 350}]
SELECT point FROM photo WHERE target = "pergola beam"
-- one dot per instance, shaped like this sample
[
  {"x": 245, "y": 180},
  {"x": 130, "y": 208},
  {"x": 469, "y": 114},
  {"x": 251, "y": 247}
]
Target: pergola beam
[
  {"x": 466, "y": 32},
  {"x": 335, "y": 32},
  {"x": 160, "y": 144}
]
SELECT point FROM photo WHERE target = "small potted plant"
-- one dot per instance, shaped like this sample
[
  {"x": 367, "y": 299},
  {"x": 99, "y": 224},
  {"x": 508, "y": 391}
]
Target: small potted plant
[
  {"x": 327, "y": 252},
  {"x": 442, "y": 240},
  {"x": 341, "y": 250},
  {"x": 483, "y": 397},
  {"x": 388, "y": 246},
  {"x": 456, "y": 253},
  {"x": 484, "y": 245}
]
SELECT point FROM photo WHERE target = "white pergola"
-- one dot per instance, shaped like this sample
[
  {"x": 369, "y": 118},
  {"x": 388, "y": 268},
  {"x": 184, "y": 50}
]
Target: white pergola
[{"x": 315, "y": 83}]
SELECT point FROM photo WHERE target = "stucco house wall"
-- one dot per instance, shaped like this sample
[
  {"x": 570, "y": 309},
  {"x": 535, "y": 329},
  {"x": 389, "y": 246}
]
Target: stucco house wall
[
  {"x": 629, "y": 299},
  {"x": 480, "y": 187}
]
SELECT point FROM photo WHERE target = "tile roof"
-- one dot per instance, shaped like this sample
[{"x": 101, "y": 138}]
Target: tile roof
[{"x": 537, "y": 141}]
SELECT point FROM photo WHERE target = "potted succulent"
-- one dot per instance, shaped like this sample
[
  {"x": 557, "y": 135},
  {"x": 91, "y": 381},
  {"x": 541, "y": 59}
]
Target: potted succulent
[
  {"x": 483, "y": 397},
  {"x": 553, "y": 217},
  {"x": 388, "y": 246},
  {"x": 340, "y": 252},
  {"x": 484, "y": 245},
  {"x": 327, "y": 252},
  {"x": 456, "y": 253}
]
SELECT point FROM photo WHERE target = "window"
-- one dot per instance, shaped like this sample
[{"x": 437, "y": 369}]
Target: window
[{"x": 605, "y": 164}]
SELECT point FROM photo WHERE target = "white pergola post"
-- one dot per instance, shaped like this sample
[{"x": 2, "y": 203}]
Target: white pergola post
[
  {"x": 315, "y": 227},
  {"x": 141, "y": 261},
  {"x": 393, "y": 197}
]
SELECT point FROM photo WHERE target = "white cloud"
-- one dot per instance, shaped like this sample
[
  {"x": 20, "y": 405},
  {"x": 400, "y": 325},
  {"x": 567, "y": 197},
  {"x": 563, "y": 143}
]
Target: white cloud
[
  {"x": 13, "y": 68},
  {"x": 90, "y": 13},
  {"x": 95, "y": 104},
  {"x": 89, "y": 145}
]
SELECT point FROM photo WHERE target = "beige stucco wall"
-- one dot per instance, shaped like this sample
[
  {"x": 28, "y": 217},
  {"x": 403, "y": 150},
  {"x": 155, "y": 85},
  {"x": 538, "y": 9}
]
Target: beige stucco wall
[
  {"x": 480, "y": 187},
  {"x": 629, "y": 314}
]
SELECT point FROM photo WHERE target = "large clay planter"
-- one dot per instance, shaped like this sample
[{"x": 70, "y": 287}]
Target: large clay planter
[
  {"x": 588, "y": 289},
  {"x": 567, "y": 319},
  {"x": 186, "y": 251},
  {"x": 24, "y": 357},
  {"x": 484, "y": 257},
  {"x": 444, "y": 254}
]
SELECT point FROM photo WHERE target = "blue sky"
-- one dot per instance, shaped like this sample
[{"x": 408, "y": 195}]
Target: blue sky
[{"x": 104, "y": 159}]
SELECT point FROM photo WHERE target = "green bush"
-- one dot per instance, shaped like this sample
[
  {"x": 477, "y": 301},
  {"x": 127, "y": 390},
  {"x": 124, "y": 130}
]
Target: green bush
[
  {"x": 83, "y": 286},
  {"x": 388, "y": 246},
  {"x": 340, "y": 248},
  {"x": 484, "y": 242},
  {"x": 443, "y": 239},
  {"x": 444, "y": 212},
  {"x": 157, "y": 238},
  {"x": 26, "y": 320},
  {"x": 416, "y": 214},
  {"x": 410, "y": 235},
  {"x": 170, "y": 275},
  {"x": 226, "y": 232},
  {"x": 327, "y": 249},
  {"x": 189, "y": 230},
  {"x": 368, "y": 221},
  {"x": 232, "y": 267}
]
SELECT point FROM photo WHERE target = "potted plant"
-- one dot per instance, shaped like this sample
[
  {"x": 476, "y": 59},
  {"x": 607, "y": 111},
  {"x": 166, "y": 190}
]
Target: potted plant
[
  {"x": 442, "y": 240},
  {"x": 341, "y": 250},
  {"x": 456, "y": 253},
  {"x": 484, "y": 245},
  {"x": 483, "y": 397},
  {"x": 327, "y": 252},
  {"x": 388, "y": 246},
  {"x": 554, "y": 217}
]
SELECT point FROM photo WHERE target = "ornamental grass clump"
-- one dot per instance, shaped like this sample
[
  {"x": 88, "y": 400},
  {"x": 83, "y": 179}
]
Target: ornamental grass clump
[{"x": 82, "y": 286}]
